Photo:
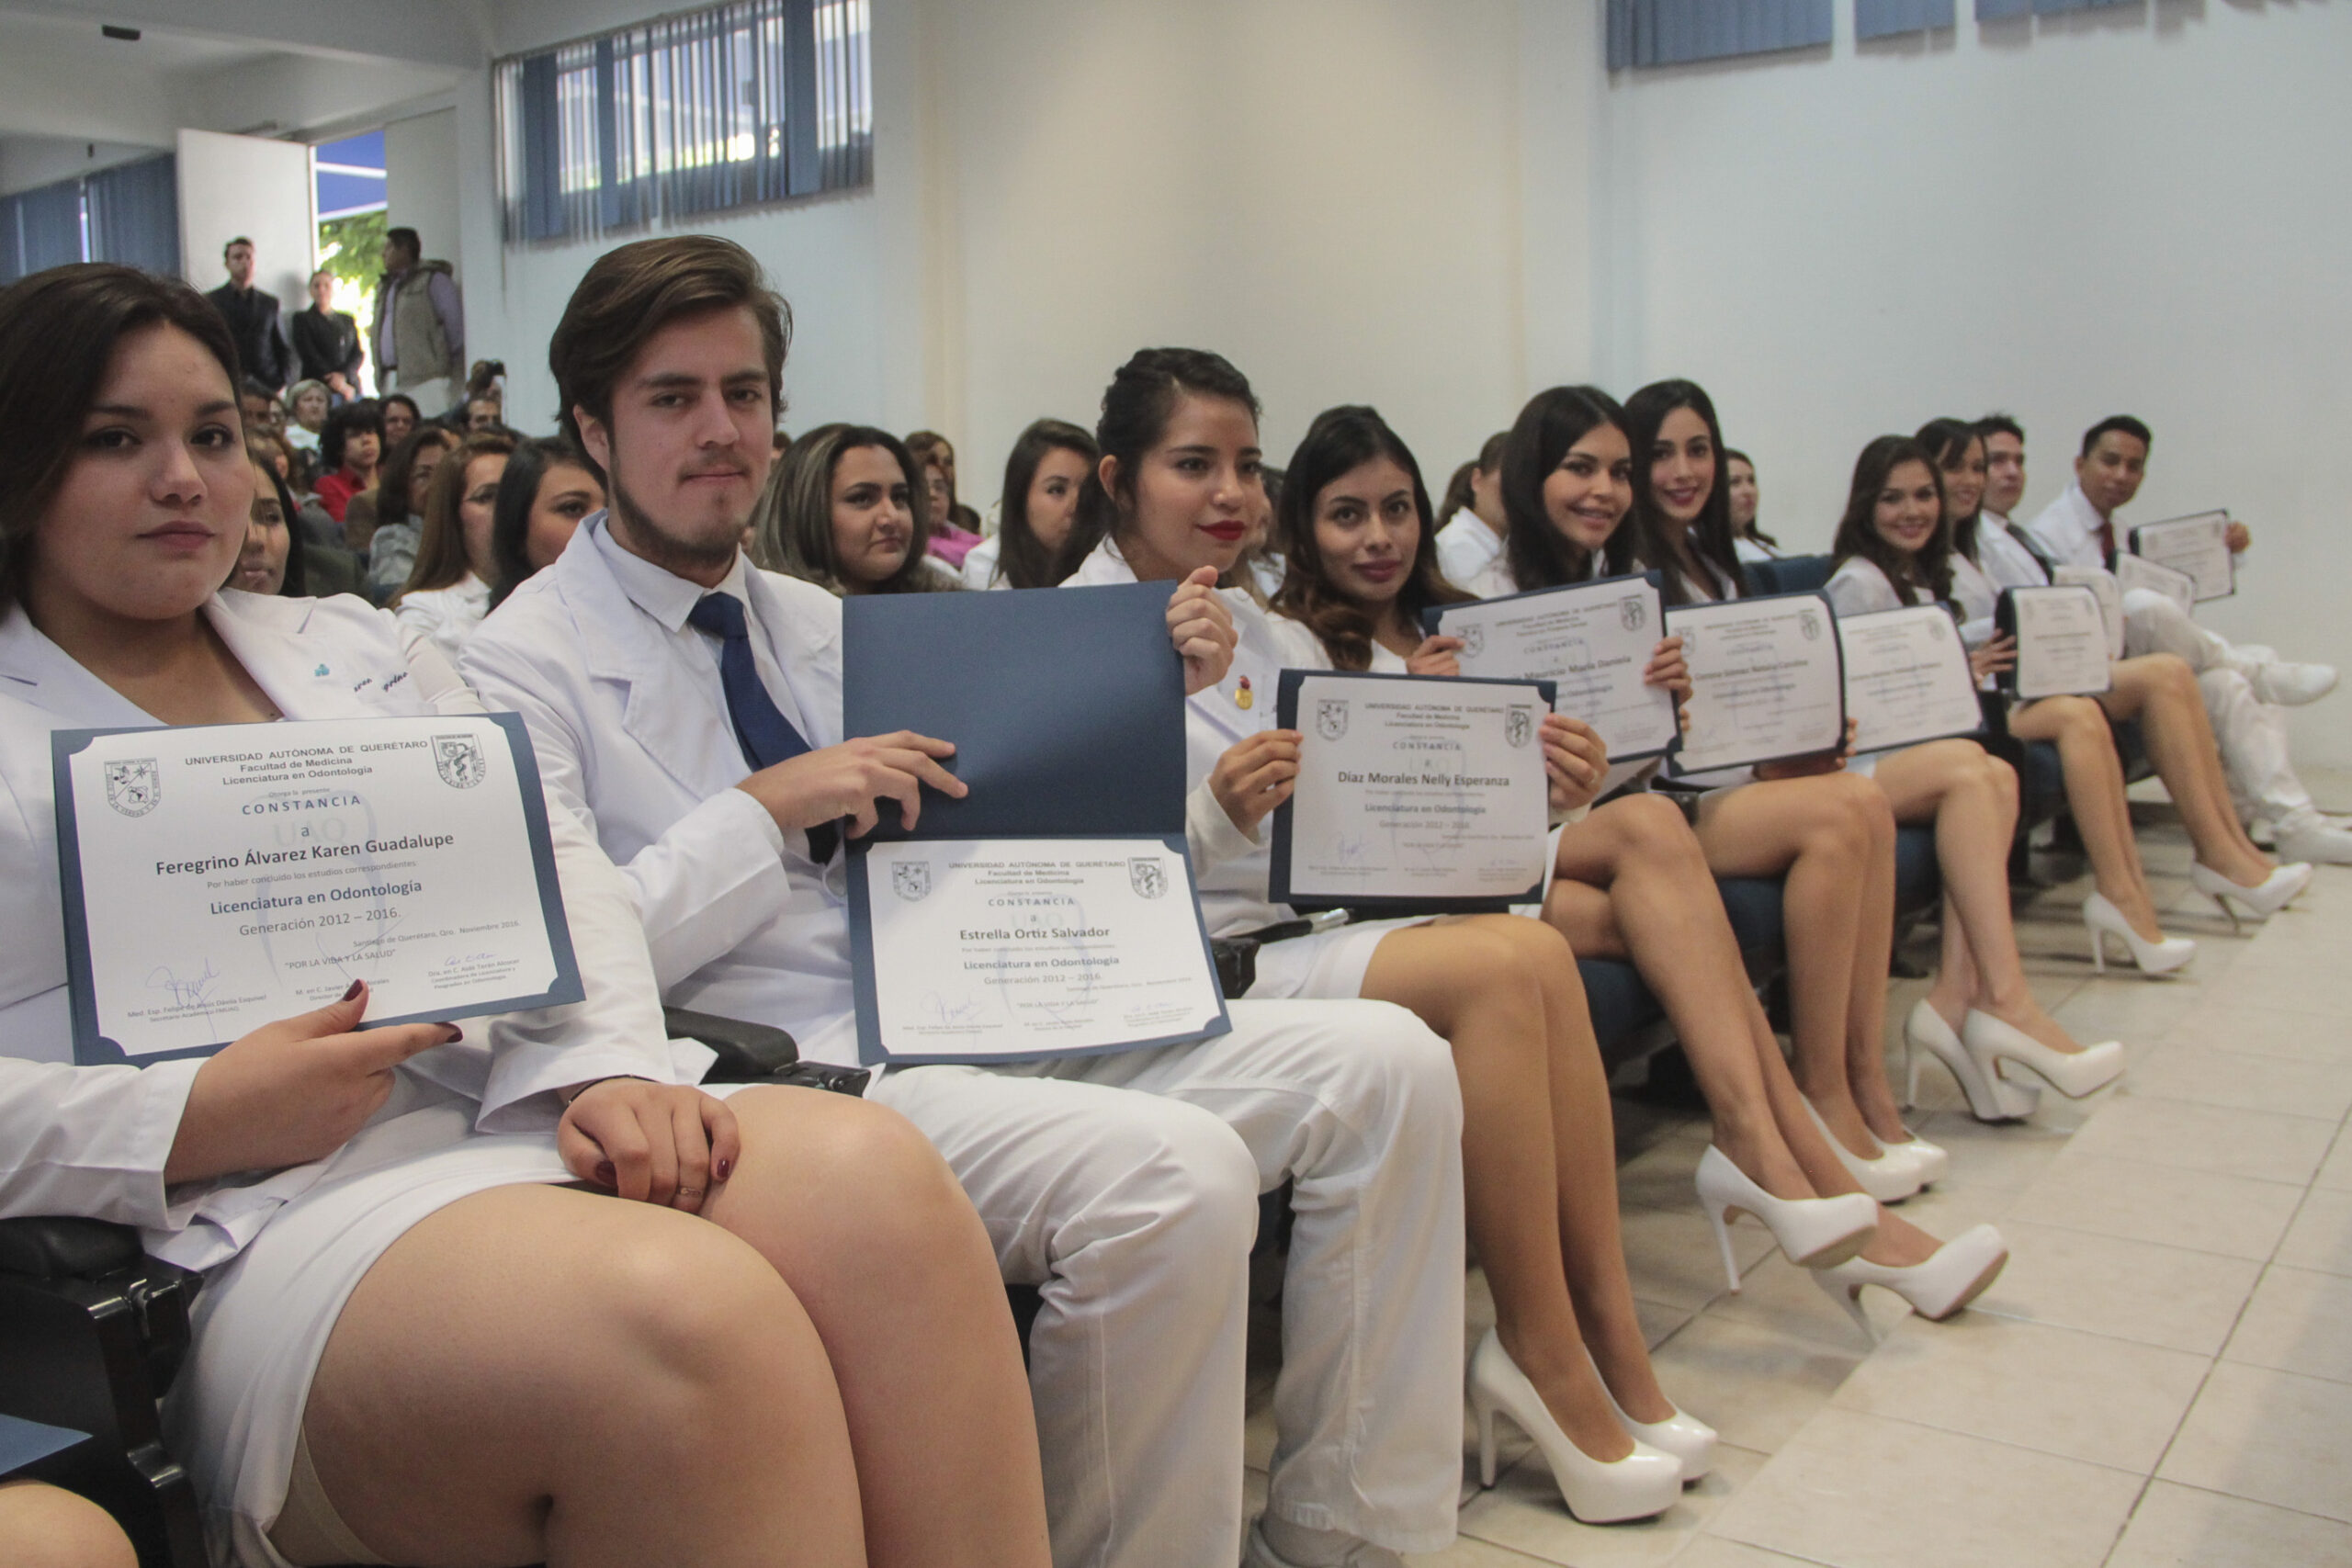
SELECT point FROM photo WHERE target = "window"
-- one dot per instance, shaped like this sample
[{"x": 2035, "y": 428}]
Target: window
[
  {"x": 128, "y": 214},
  {"x": 1677, "y": 32},
  {"x": 732, "y": 106}
]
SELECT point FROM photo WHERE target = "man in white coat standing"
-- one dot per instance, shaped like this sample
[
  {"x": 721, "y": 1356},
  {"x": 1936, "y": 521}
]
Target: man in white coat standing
[
  {"x": 2244, "y": 687},
  {"x": 688, "y": 705}
]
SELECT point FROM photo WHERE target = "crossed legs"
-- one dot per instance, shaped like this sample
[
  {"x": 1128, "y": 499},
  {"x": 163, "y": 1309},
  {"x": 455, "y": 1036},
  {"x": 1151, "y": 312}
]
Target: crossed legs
[
  {"x": 2094, "y": 774},
  {"x": 2162, "y": 692}
]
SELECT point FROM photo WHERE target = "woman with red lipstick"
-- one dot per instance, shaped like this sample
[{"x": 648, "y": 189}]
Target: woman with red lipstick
[
  {"x": 512, "y": 1293},
  {"x": 1631, "y": 880},
  {"x": 843, "y": 510},
  {"x": 1177, "y": 489}
]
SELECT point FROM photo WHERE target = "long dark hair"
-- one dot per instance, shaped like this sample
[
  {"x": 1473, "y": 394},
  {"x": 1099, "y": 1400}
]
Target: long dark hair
[
  {"x": 1927, "y": 573},
  {"x": 1948, "y": 440},
  {"x": 1734, "y": 455},
  {"x": 510, "y": 518},
  {"x": 793, "y": 524},
  {"x": 295, "y": 583},
  {"x": 58, "y": 332},
  {"x": 1136, "y": 406},
  {"x": 441, "y": 544},
  {"x": 342, "y": 424},
  {"x": 1339, "y": 440},
  {"x": 1708, "y": 538},
  {"x": 1021, "y": 557},
  {"x": 1552, "y": 423},
  {"x": 393, "y": 502}
]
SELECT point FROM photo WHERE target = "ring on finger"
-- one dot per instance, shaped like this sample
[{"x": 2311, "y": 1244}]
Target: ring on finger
[{"x": 689, "y": 1191}]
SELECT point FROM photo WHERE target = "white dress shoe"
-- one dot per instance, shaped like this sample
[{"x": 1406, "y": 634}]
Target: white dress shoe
[
  {"x": 1364, "y": 1554},
  {"x": 1642, "y": 1484},
  {"x": 1684, "y": 1436},
  {"x": 2072, "y": 1072},
  {"x": 1991, "y": 1098},
  {"x": 1890, "y": 1177},
  {"x": 1935, "y": 1289},
  {"x": 1814, "y": 1232},
  {"x": 2162, "y": 956},
  {"x": 1931, "y": 1159},
  {"x": 2265, "y": 898},
  {"x": 2320, "y": 843},
  {"x": 2290, "y": 684}
]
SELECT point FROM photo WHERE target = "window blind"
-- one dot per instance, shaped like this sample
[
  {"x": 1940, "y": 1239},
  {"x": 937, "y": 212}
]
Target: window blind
[
  {"x": 1890, "y": 18},
  {"x": 1676, "y": 32},
  {"x": 134, "y": 214}
]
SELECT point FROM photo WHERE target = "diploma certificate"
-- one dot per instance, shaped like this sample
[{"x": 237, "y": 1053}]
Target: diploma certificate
[
  {"x": 994, "y": 950},
  {"x": 222, "y": 876},
  {"x": 2062, "y": 642},
  {"x": 2106, "y": 591},
  {"x": 1591, "y": 641},
  {"x": 2135, "y": 571},
  {"x": 2198, "y": 547},
  {"x": 1906, "y": 678},
  {"x": 1768, "y": 680}
]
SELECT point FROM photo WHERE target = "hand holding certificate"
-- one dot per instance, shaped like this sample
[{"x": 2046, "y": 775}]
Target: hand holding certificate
[
  {"x": 2062, "y": 642},
  {"x": 2198, "y": 547},
  {"x": 1906, "y": 678},
  {"x": 1415, "y": 793},
  {"x": 1592, "y": 641},
  {"x": 221, "y": 877},
  {"x": 1767, "y": 682}
]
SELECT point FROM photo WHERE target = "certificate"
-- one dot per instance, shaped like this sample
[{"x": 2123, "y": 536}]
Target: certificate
[
  {"x": 2062, "y": 642},
  {"x": 1768, "y": 680},
  {"x": 2106, "y": 591},
  {"x": 1907, "y": 678},
  {"x": 222, "y": 876},
  {"x": 1415, "y": 793},
  {"x": 2137, "y": 571},
  {"x": 2198, "y": 547},
  {"x": 1591, "y": 641},
  {"x": 995, "y": 949}
]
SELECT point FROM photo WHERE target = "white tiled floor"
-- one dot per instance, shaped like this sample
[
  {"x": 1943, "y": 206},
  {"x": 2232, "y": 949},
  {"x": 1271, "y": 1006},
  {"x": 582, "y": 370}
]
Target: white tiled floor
[{"x": 2161, "y": 1376}]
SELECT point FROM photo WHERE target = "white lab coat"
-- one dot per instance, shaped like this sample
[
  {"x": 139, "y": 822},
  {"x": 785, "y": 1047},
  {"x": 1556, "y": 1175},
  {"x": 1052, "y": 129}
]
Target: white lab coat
[
  {"x": 1858, "y": 587},
  {"x": 284, "y": 1251},
  {"x": 2004, "y": 556},
  {"x": 979, "y": 564},
  {"x": 1466, "y": 546},
  {"x": 1133, "y": 1212},
  {"x": 444, "y": 616}
]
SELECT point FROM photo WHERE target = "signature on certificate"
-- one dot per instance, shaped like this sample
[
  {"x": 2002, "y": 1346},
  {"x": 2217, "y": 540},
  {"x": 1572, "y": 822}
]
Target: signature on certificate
[
  {"x": 951, "y": 1014},
  {"x": 186, "y": 990}
]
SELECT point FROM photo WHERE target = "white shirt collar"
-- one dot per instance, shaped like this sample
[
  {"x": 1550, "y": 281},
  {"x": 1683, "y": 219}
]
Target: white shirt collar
[{"x": 658, "y": 591}]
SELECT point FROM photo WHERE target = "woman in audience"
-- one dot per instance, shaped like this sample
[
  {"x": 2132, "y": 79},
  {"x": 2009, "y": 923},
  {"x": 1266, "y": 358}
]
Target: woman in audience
[
  {"x": 398, "y": 521},
  {"x": 308, "y": 403},
  {"x": 953, "y": 528},
  {"x": 1042, "y": 480},
  {"x": 416, "y": 1342},
  {"x": 448, "y": 588},
  {"x": 402, "y": 416},
  {"x": 2157, "y": 689},
  {"x": 1470, "y": 526},
  {"x": 841, "y": 511},
  {"x": 1982, "y": 1008},
  {"x": 1177, "y": 488},
  {"x": 1749, "y": 542},
  {"x": 272, "y": 561},
  {"x": 1630, "y": 881},
  {"x": 543, "y": 496},
  {"x": 350, "y": 450},
  {"x": 47, "y": 1527}
]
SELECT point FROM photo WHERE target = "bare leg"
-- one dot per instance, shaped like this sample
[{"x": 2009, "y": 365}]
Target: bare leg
[
  {"x": 864, "y": 1222},
  {"x": 1971, "y": 800},
  {"x": 2095, "y": 793},
  {"x": 575, "y": 1380},
  {"x": 1866, "y": 1004},
  {"x": 46, "y": 1527},
  {"x": 2160, "y": 690},
  {"x": 1528, "y": 1124}
]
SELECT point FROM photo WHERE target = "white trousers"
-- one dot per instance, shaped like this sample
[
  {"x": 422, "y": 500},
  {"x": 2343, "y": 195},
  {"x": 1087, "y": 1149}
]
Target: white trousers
[
  {"x": 2251, "y": 733},
  {"x": 1127, "y": 1188}
]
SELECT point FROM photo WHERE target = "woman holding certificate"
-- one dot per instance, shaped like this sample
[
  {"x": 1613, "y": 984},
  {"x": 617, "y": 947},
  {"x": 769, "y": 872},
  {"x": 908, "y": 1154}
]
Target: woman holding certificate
[
  {"x": 1178, "y": 488},
  {"x": 2157, "y": 689},
  {"x": 425, "y": 1333}
]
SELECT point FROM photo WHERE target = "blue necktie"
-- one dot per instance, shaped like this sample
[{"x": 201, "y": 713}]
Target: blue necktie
[{"x": 766, "y": 737}]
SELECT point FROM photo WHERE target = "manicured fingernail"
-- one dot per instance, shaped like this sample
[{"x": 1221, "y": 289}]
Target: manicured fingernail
[
  {"x": 356, "y": 986},
  {"x": 606, "y": 1175},
  {"x": 455, "y": 1034},
  {"x": 724, "y": 1169}
]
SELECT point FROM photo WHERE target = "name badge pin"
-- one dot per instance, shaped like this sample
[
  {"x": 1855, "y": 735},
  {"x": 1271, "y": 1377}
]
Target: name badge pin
[{"x": 1242, "y": 695}]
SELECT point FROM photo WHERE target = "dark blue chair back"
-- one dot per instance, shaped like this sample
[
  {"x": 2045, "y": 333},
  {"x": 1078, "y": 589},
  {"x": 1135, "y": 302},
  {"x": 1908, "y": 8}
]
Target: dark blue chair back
[{"x": 1791, "y": 574}]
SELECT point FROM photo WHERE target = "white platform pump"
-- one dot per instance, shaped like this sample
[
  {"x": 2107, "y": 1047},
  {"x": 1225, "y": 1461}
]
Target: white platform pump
[
  {"x": 1682, "y": 1434},
  {"x": 1814, "y": 1232},
  {"x": 2073, "y": 1073},
  {"x": 2265, "y": 898},
  {"x": 1892, "y": 1176},
  {"x": 1935, "y": 1289},
  {"x": 1991, "y": 1098},
  {"x": 2162, "y": 956},
  {"x": 1642, "y": 1484}
]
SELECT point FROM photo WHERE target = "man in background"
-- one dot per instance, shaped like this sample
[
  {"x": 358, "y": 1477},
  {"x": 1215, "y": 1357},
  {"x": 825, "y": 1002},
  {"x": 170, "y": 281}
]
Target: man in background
[
  {"x": 420, "y": 335},
  {"x": 251, "y": 315}
]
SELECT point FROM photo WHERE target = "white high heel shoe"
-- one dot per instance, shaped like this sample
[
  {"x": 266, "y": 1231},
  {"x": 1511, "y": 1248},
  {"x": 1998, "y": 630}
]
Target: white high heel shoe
[
  {"x": 1684, "y": 1436},
  {"x": 1891, "y": 1177},
  {"x": 1815, "y": 1232},
  {"x": 2162, "y": 956},
  {"x": 2072, "y": 1072},
  {"x": 1642, "y": 1484},
  {"x": 1991, "y": 1098},
  {"x": 1935, "y": 1289},
  {"x": 1931, "y": 1159},
  {"x": 2265, "y": 898}
]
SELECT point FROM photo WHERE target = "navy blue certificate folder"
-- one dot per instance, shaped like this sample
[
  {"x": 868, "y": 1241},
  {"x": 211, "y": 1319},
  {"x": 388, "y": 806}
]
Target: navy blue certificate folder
[
  {"x": 23, "y": 1443},
  {"x": 1067, "y": 708}
]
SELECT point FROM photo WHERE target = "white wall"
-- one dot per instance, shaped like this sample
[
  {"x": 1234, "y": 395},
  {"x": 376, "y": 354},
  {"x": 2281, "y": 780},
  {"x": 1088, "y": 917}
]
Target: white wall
[
  {"x": 420, "y": 187},
  {"x": 2139, "y": 210},
  {"x": 245, "y": 185}
]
